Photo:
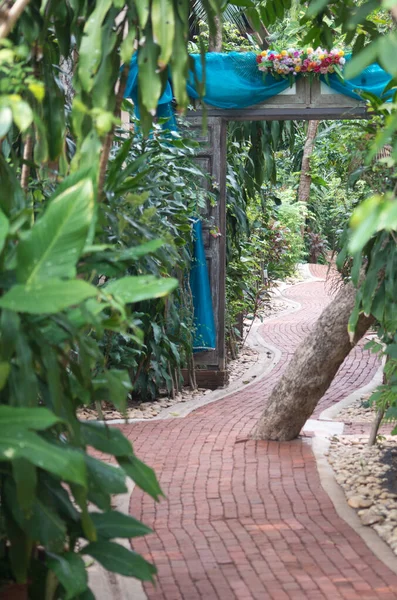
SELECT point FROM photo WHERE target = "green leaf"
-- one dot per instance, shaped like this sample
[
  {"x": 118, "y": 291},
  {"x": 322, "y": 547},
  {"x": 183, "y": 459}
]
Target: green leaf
[
  {"x": 163, "y": 23},
  {"x": 41, "y": 523},
  {"x": 315, "y": 7},
  {"x": 90, "y": 51},
  {"x": 387, "y": 49},
  {"x": 5, "y": 120},
  {"x": 149, "y": 77},
  {"x": 117, "y": 559},
  {"x": 51, "y": 487},
  {"x": 38, "y": 418},
  {"x": 143, "y": 287},
  {"x": 142, "y": 8},
  {"x": 12, "y": 198},
  {"x": 25, "y": 477},
  {"x": 106, "y": 439},
  {"x": 71, "y": 572},
  {"x": 137, "y": 252},
  {"x": 360, "y": 61},
  {"x": 54, "y": 244},
  {"x": 48, "y": 297},
  {"x": 114, "y": 524},
  {"x": 61, "y": 461},
  {"x": 20, "y": 547},
  {"x": 117, "y": 384},
  {"x": 4, "y": 372},
  {"x": 22, "y": 113},
  {"x": 4, "y": 229},
  {"x": 242, "y": 3},
  {"x": 364, "y": 222},
  {"x": 127, "y": 45},
  {"x": 142, "y": 475},
  {"x": 104, "y": 477}
]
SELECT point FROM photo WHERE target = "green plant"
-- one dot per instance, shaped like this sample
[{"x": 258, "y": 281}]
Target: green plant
[{"x": 72, "y": 269}]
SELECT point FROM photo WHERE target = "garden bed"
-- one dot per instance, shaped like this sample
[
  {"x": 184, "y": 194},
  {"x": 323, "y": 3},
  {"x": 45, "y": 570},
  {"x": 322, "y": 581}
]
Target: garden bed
[
  {"x": 368, "y": 476},
  {"x": 247, "y": 358}
]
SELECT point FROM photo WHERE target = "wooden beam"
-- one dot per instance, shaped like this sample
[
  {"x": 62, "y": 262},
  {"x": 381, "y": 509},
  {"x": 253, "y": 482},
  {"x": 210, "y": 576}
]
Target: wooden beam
[{"x": 275, "y": 113}]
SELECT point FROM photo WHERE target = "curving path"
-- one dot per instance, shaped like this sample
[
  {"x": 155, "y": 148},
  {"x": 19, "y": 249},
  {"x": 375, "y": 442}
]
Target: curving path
[{"x": 250, "y": 520}]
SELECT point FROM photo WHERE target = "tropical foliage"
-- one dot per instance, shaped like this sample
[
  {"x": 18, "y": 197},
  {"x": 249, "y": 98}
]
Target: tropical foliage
[
  {"x": 94, "y": 237},
  {"x": 88, "y": 243}
]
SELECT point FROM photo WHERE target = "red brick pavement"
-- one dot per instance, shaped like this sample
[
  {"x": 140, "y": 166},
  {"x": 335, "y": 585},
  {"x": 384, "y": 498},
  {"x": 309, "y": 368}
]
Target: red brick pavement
[{"x": 249, "y": 520}]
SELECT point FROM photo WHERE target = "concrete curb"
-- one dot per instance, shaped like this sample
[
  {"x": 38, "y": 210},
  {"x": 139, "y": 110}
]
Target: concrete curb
[{"x": 381, "y": 550}]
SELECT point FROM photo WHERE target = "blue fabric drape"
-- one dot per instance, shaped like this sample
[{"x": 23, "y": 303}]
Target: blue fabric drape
[
  {"x": 373, "y": 79},
  {"x": 234, "y": 81},
  {"x": 204, "y": 335},
  {"x": 164, "y": 108}
]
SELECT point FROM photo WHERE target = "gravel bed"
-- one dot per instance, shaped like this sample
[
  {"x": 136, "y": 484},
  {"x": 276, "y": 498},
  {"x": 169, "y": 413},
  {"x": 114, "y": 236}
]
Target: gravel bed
[
  {"x": 368, "y": 476},
  {"x": 357, "y": 412}
]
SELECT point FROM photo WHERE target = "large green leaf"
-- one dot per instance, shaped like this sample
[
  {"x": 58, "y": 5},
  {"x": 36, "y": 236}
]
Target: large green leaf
[
  {"x": 71, "y": 572},
  {"x": 38, "y": 418},
  {"x": 47, "y": 298},
  {"x": 113, "y": 385},
  {"x": 106, "y": 439},
  {"x": 143, "y": 287},
  {"x": 53, "y": 246},
  {"x": 163, "y": 22},
  {"x": 41, "y": 522},
  {"x": 62, "y": 461},
  {"x": 142, "y": 475},
  {"x": 104, "y": 477},
  {"x": 5, "y": 120},
  {"x": 114, "y": 524},
  {"x": 90, "y": 52},
  {"x": 12, "y": 197},
  {"x": 149, "y": 78},
  {"x": 51, "y": 487},
  {"x": 361, "y": 60},
  {"x": 25, "y": 477},
  {"x": 4, "y": 227},
  {"x": 143, "y": 10},
  {"x": 118, "y": 559}
]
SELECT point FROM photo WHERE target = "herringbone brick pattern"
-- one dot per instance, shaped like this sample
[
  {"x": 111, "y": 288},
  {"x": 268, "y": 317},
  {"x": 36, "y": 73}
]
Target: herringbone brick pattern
[{"x": 249, "y": 520}]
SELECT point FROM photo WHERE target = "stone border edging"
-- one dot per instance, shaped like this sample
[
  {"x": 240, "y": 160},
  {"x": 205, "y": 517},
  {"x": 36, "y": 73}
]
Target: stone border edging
[{"x": 337, "y": 496}]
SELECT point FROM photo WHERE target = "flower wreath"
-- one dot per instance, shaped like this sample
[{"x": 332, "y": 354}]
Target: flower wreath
[{"x": 289, "y": 63}]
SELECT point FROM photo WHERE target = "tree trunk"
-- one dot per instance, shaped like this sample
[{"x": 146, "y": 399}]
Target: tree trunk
[
  {"x": 305, "y": 179},
  {"x": 311, "y": 370},
  {"x": 215, "y": 41}
]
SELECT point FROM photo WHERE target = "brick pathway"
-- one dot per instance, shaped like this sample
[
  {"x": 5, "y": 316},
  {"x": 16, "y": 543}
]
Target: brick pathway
[{"x": 249, "y": 520}]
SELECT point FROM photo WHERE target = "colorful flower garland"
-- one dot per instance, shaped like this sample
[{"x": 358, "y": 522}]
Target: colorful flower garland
[{"x": 291, "y": 62}]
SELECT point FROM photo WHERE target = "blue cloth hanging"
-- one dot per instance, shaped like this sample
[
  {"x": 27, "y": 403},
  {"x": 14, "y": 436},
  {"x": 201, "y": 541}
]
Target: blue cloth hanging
[
  {"x": 164, "y": 108},
  {"x": 233, "y": 80},
  {"x": 204, "y": 334},
  {"x": 373, "y": 79}
]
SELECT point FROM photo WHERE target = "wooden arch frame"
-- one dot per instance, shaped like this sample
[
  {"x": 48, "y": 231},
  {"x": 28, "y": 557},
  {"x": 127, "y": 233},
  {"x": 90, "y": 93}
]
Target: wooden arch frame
[{"x": 305, "y": 101}]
